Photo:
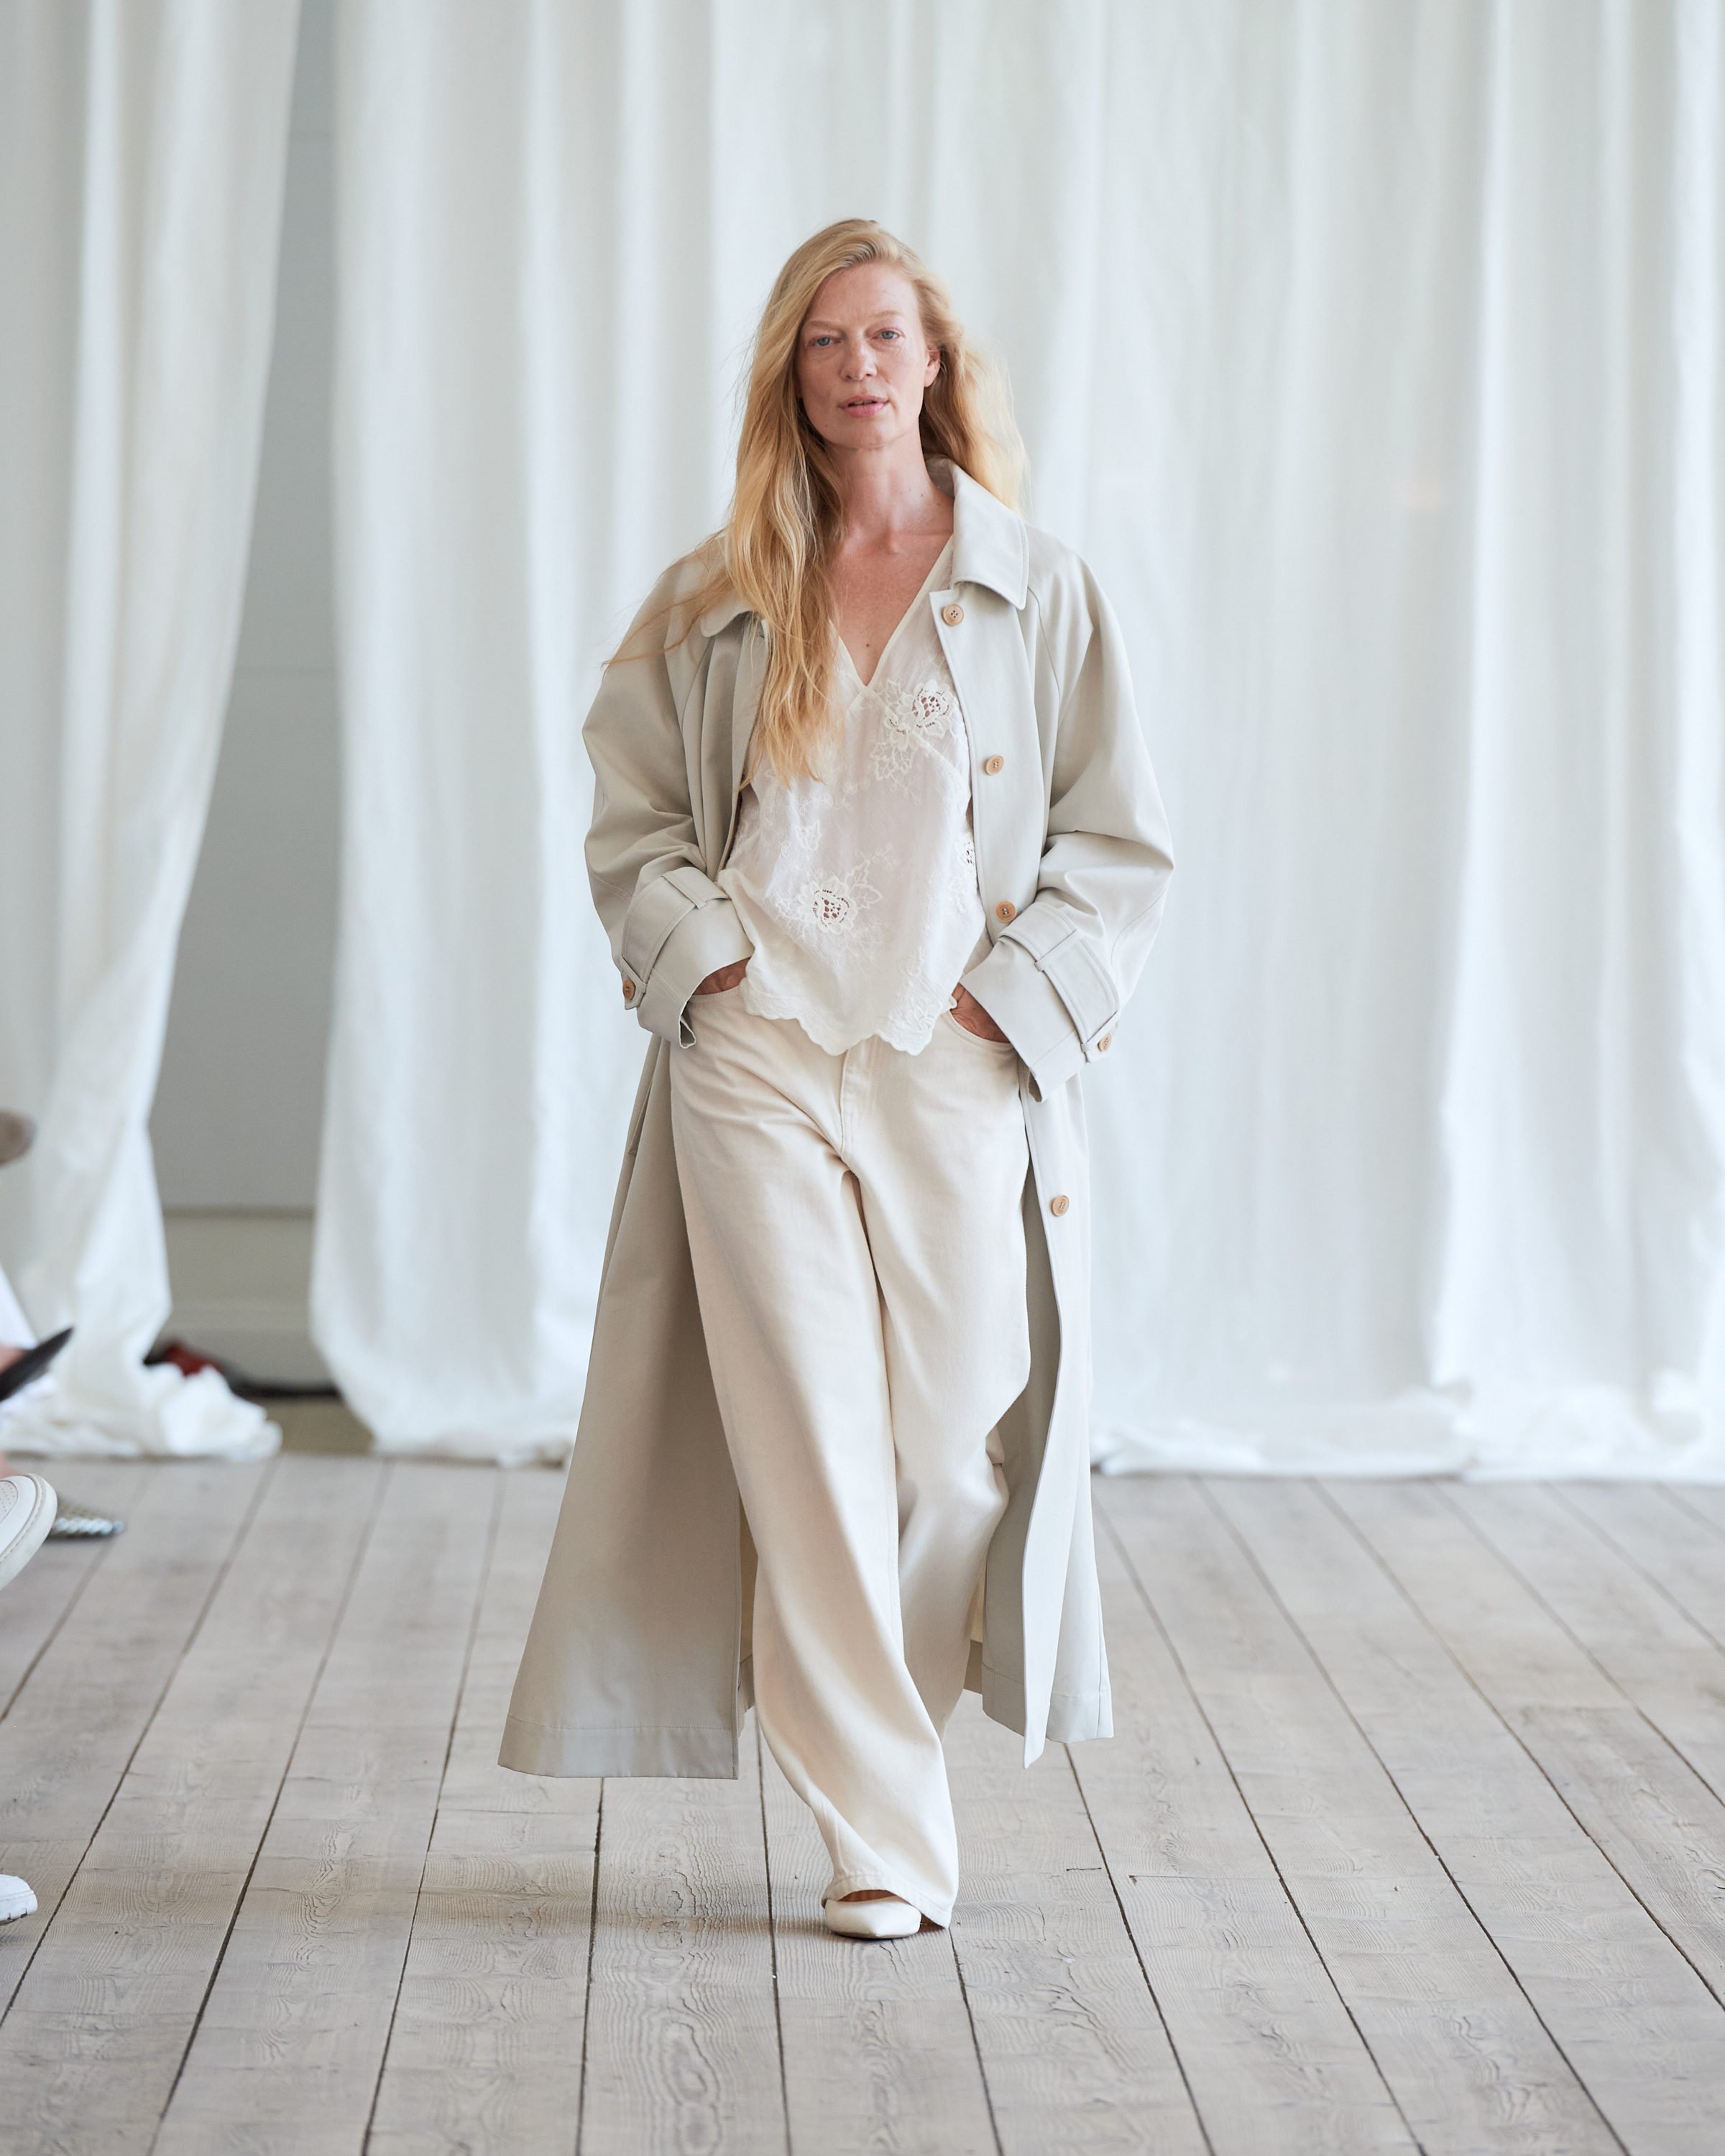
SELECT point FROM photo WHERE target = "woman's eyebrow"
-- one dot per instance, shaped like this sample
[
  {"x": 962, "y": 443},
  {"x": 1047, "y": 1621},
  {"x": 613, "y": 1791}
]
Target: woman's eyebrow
[{"x": 820, "y": 321}]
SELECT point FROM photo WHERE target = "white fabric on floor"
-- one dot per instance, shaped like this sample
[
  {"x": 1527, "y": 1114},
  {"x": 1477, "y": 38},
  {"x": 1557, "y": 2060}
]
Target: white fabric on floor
[
  {"x": 142, "y": 145},
  {"x": 16, "y": 1331},
  {"x": 1373, "y": 356}
]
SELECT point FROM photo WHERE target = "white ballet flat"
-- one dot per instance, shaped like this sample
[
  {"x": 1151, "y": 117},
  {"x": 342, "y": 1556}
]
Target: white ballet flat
[
  {"x": 16, "y": 1899},
  {"x": 890, "y": 1919}
]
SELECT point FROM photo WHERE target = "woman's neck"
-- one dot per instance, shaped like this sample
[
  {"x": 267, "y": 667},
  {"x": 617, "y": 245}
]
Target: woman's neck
[{"x": 887, "y": 493}]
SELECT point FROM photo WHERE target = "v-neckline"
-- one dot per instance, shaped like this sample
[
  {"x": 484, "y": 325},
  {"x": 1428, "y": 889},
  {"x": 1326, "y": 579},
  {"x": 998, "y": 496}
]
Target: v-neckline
[{"x": 898, "y": 630}]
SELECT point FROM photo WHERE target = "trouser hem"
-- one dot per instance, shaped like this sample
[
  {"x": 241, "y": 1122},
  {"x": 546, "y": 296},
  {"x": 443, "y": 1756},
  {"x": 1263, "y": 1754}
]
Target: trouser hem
[{"x": 891, "y": 1882}]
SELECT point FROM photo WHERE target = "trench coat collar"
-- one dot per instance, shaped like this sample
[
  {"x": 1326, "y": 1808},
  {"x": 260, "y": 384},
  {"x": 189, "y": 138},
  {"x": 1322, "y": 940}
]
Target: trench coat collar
[{"x": 990, "y": 545}]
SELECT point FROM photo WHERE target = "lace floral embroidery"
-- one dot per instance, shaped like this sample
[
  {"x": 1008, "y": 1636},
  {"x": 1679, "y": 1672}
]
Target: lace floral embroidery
[
  {"x": 836, "y": 906},
  {"x": 910, "y": 720},
  {"x": 961, "y": 881}
]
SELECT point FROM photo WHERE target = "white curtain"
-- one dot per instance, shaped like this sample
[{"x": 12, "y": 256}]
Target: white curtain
[
  {"x": 1372, "y": 354},
  {"x": 142, "y": 145}
]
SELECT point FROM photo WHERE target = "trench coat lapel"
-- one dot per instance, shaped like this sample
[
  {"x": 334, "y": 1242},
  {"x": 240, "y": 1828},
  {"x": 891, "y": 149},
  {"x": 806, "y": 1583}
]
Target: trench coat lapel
[{"x": 751, "y": 666}]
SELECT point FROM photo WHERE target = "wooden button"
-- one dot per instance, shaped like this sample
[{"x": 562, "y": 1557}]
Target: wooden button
[
  {"x": 629, "y": 992},
  {"x": 991, "y": 764},
  {"x": 1059, "y": 1205},
  {"x": 1005, "y": 910},
  {"x": 1102, "y": 1044},
  {"x": 952, "y": 615}
]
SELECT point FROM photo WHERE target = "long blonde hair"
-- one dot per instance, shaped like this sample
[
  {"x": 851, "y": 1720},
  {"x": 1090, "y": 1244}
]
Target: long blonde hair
[{"x": 787, "y": 513}]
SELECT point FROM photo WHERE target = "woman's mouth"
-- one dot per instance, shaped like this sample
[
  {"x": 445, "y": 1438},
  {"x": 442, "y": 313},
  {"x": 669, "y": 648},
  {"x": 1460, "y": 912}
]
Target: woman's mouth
[{"x": 866, "y": 404}]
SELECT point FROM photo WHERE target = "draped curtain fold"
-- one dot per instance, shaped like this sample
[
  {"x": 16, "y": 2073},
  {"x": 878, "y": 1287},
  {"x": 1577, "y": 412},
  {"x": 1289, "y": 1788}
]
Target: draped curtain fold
[
  {"x": 142, "y": 148},
  {"x": 1373, "y": 356}
]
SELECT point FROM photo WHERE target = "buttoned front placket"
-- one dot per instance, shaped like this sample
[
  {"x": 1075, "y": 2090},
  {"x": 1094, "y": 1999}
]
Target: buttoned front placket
[{"x": 990, "y": 709}]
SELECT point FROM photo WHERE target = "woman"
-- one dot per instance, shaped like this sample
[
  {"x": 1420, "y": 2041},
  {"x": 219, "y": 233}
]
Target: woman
[{"x": 880, "y": 854}]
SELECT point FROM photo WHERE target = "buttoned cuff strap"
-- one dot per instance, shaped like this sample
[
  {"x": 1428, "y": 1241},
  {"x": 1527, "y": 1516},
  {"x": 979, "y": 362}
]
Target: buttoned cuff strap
[
  {"x": 1048, "y": 992},
  {"x": 680, "y": 928}
]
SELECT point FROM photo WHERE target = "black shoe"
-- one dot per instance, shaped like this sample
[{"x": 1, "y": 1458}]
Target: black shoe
[{"x": 30, "y": 1365}]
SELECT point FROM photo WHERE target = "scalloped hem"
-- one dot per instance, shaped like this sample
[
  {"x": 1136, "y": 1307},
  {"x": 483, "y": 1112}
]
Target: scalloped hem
[{"x": 835, "y": 1041}]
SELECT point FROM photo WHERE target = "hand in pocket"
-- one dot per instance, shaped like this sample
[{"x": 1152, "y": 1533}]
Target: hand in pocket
[{"x": 969, "y": 1013}]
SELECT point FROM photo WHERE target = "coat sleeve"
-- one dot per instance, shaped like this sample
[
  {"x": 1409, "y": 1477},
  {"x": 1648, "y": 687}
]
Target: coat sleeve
[
  {"x": 1058, "y": 974},
  {"x": 669, "y": 923}
]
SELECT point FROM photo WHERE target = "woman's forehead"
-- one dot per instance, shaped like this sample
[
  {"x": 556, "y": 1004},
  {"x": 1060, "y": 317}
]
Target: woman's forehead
[{"x": 874, "y": 289}]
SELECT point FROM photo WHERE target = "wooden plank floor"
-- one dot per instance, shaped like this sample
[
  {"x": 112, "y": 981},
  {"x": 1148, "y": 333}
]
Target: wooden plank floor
[{"x": 1412, "y": 1837}]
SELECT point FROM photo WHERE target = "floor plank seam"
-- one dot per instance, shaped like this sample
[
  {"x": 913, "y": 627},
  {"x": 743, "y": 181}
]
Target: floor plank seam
[
  {"x": 1634, "y": 1706},
  {"x": 1138, "y": 1955},
  {"x": 481, "y": 1585},
  {"x": 1532, "y": 1757},
  {"x": 1299, "y": 1632},
  {"x": 1299, "y": 1914},
  {"x": 1627, "y": 1557},
  {"x": 218, "y": 1580},
  {"x": 976, "y": 2042},
  {"x": 1674, "y": 1492},
  {"x": 784, "y": 2092},
  {"x": 90, "y": 1569},
  {"x": 329, "y": 1646},
  {"x": 592, "y": 1933}
]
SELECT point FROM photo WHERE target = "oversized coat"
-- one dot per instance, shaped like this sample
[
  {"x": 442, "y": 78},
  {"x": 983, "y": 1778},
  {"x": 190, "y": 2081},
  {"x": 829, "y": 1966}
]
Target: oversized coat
[{"x": 637, "y": 1661}]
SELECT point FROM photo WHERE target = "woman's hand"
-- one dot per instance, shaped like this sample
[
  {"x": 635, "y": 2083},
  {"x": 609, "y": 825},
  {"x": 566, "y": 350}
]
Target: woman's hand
[
  {"x": 727, "y": 977},
  {"x": 971, "y": 1015}
]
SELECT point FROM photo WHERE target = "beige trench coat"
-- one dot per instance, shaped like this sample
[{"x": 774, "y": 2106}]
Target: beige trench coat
[{"x": 637, "y": 1661}]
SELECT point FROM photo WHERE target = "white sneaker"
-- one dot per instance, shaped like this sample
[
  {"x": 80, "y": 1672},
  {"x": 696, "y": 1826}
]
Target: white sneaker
[
  {"x": 27, "y": 1509},
  {"x": 880, "y": 1919},
  {"x": 16, "y": 1899}
]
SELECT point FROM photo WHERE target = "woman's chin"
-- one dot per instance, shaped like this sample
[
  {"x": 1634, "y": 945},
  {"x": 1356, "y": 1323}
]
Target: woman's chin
[{"x": 863, "y": 430}]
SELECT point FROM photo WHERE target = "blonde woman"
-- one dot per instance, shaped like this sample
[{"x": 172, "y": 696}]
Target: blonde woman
[{"x": 878, "y": 851}]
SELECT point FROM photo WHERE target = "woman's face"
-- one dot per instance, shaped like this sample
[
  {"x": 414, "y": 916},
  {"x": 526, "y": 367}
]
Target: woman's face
[{"x": 862, "y": 364}]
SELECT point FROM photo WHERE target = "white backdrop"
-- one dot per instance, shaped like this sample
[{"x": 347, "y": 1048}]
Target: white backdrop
[
  {"x": 142, "y": 147},
  {"x": 1373, "y": 355}
]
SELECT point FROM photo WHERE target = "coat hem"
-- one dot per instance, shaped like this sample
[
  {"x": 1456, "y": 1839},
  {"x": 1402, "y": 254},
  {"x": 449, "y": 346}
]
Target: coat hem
[
  {"x": 688, "y": 1751},
  {"x": 1072, "y": 1718}
]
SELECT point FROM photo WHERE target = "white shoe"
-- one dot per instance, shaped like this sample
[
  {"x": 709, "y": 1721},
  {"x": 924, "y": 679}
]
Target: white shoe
[
  {"x": 881, "y": 1919},
  {"x": 27, "y": 1509},
  {"x": 16, "y": 1899}
]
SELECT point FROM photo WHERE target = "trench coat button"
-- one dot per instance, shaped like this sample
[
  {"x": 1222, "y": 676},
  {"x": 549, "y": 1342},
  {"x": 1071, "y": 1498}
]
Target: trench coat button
[
  {"x": 629, "y": 992},
  {"x": 1005, "y": 910},
  {"x": 991, "y": 764},
  {"x": 952, "y": 615},
  {"x": 1059, "y": 1205},
  {"x": 1104, "y": 1043}
]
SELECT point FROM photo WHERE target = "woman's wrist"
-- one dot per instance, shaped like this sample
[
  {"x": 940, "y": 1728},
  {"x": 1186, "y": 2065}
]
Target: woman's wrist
[{"x": 972, "y": 1016}]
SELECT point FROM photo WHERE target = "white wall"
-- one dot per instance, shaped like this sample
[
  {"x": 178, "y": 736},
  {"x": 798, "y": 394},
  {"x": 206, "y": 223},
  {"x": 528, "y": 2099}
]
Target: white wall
[
  {"x": 239, "y": 1106},
  {"x": 240, "y": 1103}
]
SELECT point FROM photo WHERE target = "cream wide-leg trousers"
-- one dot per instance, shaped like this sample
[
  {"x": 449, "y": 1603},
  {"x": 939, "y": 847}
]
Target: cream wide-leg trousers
[{"x": 859, "y": 1255}]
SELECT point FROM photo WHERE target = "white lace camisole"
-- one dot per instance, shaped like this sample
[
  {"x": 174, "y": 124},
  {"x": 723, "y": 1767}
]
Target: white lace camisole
[{"x": 859, "y": 888}]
